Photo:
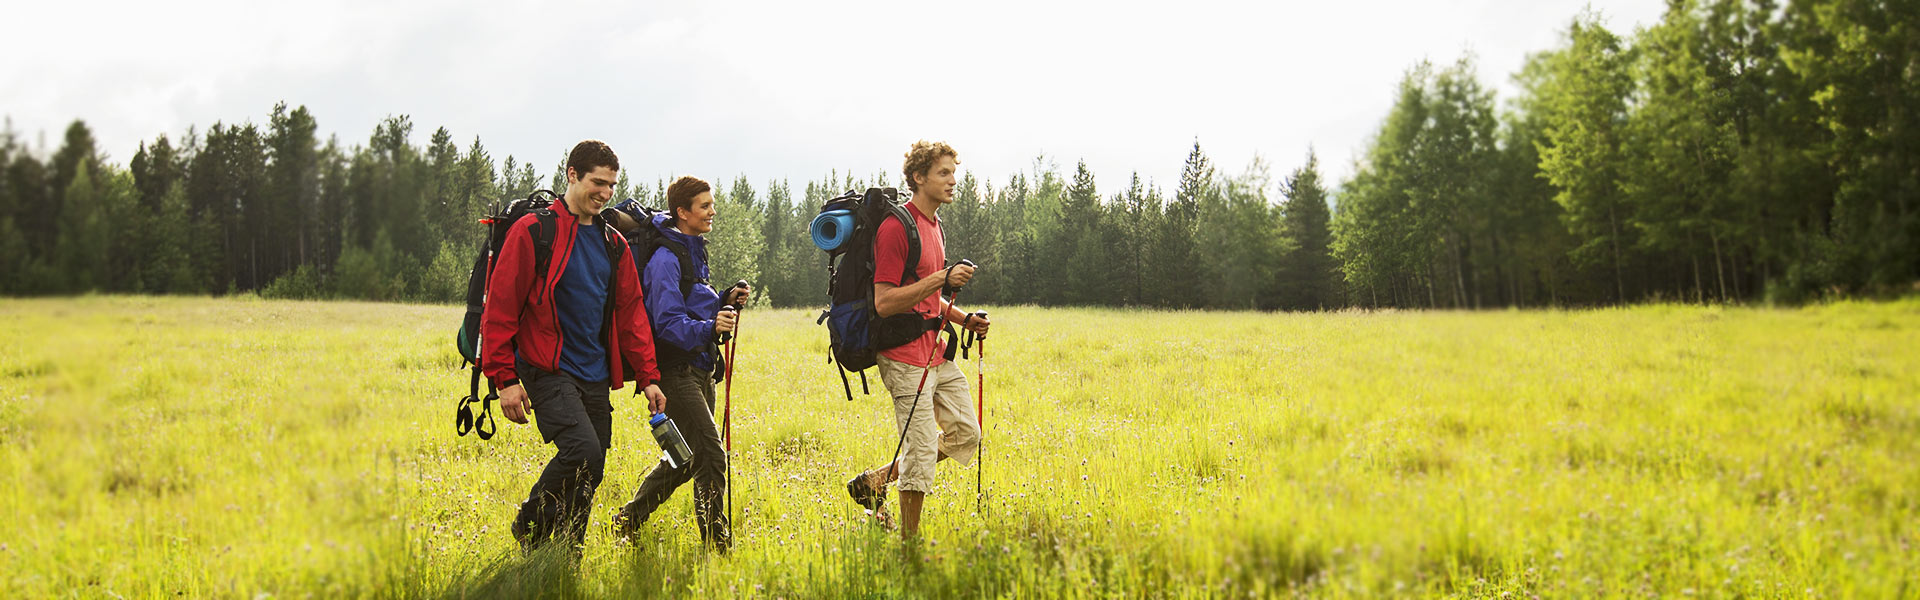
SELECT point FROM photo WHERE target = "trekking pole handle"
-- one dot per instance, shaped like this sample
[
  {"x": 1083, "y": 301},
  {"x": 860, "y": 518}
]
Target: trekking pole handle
[
  {"x": 737, "y": 285},
  {"x": 948, "y": 288},
  {"x": 727, "y": 335}
]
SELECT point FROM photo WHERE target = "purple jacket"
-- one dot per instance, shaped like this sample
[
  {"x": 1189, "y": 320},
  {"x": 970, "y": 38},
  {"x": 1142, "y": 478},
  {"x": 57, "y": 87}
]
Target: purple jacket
[{"x": 684, "y": 322}]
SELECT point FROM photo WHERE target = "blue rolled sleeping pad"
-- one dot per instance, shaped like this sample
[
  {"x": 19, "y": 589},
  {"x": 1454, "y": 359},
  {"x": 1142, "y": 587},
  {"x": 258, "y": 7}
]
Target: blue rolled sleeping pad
[{"x": 832, "y": 228}]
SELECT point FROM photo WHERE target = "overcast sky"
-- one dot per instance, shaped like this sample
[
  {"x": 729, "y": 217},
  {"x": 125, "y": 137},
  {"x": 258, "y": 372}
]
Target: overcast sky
[{"x": 775, "y": 89}]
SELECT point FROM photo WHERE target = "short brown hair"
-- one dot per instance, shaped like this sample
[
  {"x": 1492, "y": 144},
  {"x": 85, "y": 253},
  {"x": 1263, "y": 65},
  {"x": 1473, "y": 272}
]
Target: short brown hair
[
  {"x": 922, "y": 157},
  {"x": 589, "y": 155},
  {"x": 681, "y": 192}
]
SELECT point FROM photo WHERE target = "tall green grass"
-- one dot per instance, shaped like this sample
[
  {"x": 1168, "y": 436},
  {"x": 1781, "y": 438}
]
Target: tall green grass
[{"x": 236, "y": 447}]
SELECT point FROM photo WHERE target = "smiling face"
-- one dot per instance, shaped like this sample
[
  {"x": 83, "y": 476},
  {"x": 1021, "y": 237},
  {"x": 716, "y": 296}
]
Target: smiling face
[
  {"x": 691, "y": 200},
  {"x": 697, "y": 218},
  {"x": 587, "y": 194}
]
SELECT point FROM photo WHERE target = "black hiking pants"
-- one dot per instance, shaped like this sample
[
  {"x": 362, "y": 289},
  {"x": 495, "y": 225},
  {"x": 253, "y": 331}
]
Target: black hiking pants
[
  {"x": 690, "y": 403},
  {"x": 577, "y": 418}
]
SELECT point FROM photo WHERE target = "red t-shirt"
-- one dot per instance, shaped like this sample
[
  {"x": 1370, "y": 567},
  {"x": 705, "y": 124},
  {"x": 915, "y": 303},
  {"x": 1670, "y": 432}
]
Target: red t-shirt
[{"x": 890, "y": 254}]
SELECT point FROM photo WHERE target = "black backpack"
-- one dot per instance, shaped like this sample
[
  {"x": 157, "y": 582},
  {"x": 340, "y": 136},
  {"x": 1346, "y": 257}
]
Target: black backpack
[
  {"x": 499, "y": 221},
  {"x": 845, "y": 229}
]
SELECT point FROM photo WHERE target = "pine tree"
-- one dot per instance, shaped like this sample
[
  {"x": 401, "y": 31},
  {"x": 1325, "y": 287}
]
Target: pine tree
[
  {"x": 293, "y": 189},
  {"x": 1080, "y": 247},
  {"x": 83, "y": 232},
  {"x": 1308, "y": 274},
  {"x": 1177, "y": 274}
]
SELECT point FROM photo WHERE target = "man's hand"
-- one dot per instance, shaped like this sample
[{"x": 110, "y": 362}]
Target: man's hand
[
  {"x": 513, "y": 403},
  {"x": 723, "y": 322},
  {"x": 977, "y": 324},
  {"x": 736, "y": 295},
  {"x": 959, "y": 275},
  {"x": 656, "y": 399}
]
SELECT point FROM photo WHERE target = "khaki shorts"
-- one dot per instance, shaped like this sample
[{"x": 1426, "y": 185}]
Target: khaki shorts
[{"x": 945, "y": 401}]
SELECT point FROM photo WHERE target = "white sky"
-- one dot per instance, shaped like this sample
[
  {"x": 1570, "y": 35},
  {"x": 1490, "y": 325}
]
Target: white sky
[{"x": 775, "y": 89}]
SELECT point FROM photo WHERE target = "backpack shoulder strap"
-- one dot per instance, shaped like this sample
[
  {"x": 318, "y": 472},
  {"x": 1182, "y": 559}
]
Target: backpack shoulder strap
[
  {"x": 615, "y": 242},
  {"x": 544, "y": 225},
  {"x": 909, "y": 269},
  {"x": 688, "y": 274},
  {"x": 616, "y": 245}
]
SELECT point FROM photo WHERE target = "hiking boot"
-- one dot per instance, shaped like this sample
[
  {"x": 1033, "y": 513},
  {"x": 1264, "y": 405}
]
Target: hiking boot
[
  {"x": 721, "y": 539},
  {"x": 868, "y": 490},
  {"x": 624, "y": 527},
  {"x": 882, "y": 518},
  {"x": 522, "y": 535}
]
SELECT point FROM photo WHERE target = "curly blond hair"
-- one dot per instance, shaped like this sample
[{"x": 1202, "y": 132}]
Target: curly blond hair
[{"x": 922, "y": 157}]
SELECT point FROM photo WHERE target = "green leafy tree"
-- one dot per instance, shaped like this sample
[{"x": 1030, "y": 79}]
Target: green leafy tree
[
  {"x": 1857, "y": 57},
  {"x": 1585, "y": 101},
  {"x": 1238, "y": 239},
  {"x": 737, "y": 238}
]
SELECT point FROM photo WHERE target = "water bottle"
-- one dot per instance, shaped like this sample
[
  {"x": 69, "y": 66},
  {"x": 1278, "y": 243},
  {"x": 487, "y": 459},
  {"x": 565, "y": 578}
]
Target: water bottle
[{"x": 677, "y": 453}]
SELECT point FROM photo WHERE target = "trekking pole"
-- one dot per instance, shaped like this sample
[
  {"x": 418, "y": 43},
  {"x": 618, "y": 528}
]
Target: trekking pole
[
  {"x": 732, "y": 342},
  {"x": 980, "y": 418},
  {"x": 893, "y": 465}
]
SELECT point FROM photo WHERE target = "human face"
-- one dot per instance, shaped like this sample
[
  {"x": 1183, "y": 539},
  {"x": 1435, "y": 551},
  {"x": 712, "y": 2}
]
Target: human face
[
  {"x": 937, "y": 183},
  {"x": 587, "y": 194},
  {"x": 696, "y": 219}
]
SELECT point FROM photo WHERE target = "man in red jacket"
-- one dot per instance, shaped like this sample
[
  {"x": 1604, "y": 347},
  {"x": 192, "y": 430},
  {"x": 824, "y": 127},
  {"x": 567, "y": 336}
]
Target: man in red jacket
[{"x": 557, "y": 342}]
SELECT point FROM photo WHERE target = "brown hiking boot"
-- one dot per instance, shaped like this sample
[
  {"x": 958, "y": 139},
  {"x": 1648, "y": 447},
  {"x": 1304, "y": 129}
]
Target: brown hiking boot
[
  {"x": 882, "y": 518},
  {"x": 869, "y": 490}
]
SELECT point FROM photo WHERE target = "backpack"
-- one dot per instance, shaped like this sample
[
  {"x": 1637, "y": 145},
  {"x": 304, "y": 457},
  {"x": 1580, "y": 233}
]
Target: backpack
[
  {"x": 499, "y": 221},
  {"x": 648, "y": 239},
  {"x": 846, "y": 229}
]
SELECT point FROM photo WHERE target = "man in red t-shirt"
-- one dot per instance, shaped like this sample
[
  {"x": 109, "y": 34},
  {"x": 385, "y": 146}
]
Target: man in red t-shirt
[{"x": 930, "y": 172}]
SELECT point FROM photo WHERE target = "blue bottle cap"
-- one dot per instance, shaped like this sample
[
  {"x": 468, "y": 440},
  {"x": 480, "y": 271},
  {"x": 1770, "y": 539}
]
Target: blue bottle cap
[{"x": 657, "y": 419}]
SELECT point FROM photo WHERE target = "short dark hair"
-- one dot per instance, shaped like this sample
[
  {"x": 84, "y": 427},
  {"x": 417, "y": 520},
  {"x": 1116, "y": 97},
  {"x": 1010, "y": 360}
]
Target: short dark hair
[
  {"x": 922, "y": 157},
  {"x": 681, "y": 192},
  {"x": 589, "y": 155}
]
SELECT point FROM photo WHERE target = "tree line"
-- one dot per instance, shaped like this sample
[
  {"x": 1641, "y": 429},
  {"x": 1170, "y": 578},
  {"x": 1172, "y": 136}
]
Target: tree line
[{"x": 1733, "y": 151}]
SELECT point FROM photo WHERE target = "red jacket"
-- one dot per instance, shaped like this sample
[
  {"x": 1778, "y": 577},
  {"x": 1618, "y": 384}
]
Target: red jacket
[{"x": 520, "y": 312}]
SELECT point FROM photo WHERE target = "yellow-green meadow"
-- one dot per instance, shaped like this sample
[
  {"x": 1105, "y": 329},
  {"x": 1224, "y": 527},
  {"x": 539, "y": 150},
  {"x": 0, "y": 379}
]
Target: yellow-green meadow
[{"x": 235, "y": 447}]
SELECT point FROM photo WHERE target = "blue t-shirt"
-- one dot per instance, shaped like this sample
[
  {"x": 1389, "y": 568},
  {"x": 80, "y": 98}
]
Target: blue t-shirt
[{"x": 580, "y": 299}]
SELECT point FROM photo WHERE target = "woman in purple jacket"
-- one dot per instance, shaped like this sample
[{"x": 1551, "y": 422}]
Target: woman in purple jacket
[{"x": 687, "y": 321}]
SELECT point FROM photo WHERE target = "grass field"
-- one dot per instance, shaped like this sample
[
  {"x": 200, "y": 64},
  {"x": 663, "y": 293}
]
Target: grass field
[{"x": 236, "y": 447}]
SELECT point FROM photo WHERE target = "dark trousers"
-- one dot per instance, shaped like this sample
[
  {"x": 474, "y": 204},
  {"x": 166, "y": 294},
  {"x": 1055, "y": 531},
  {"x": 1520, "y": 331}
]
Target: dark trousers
[
  {"x": 577, "y": 418},
  {"x": 690, "y": 404}
]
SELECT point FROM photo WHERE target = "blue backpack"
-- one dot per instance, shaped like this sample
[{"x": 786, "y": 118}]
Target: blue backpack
[{"x": 845, "y": 229}]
